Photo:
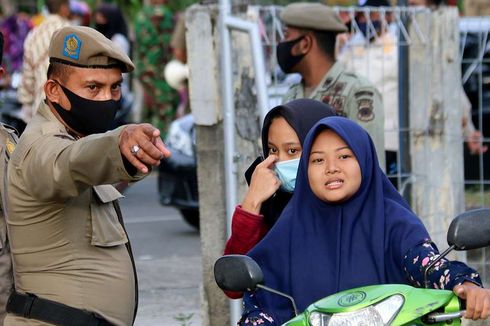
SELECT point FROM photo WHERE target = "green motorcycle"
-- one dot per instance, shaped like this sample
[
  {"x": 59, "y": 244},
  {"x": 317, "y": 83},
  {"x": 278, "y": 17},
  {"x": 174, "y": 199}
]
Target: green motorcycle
[{"x": 387, "y": 304}]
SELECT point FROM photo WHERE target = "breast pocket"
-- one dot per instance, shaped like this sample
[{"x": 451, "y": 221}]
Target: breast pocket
[{"x": 106, "y": 229}]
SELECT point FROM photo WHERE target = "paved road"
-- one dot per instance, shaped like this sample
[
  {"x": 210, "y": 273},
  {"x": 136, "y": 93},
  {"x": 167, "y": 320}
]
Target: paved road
[{"x": 168, "y": 258}]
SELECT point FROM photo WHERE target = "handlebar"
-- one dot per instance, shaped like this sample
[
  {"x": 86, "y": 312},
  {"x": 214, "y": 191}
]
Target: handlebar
[{"x": 437, "y": 317}]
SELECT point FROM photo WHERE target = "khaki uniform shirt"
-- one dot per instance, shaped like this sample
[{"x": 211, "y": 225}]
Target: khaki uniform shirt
[
  {"x": 353, "y": 97},
  {"x": 67, "y": 243}
]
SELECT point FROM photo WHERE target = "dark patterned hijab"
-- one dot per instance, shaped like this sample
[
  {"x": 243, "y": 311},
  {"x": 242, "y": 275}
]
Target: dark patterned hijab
[{"x": 301, "y": 115}]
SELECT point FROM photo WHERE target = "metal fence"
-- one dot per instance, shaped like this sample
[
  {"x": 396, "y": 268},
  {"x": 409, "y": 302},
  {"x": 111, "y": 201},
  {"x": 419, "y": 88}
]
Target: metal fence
[{"x": 475, "y": 59}]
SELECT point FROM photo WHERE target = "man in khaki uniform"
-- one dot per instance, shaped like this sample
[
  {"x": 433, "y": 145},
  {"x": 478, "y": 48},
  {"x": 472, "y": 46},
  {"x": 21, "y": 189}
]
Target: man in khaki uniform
[
  {"x": 72, "y": 260},
  {"x": 309, "y": 49}
]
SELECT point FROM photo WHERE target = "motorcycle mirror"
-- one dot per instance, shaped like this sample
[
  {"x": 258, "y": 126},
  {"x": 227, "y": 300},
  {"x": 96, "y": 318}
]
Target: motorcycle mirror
[
  {"x": 237, "y": 273},
  {"x": 470, "y": 230}
]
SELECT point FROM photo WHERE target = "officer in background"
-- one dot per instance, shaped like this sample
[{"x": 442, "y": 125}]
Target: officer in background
[
  {"x": 6, "y": 280},
  {"x": 72, "y": 259},
  {"x": 309, "y": 49}
]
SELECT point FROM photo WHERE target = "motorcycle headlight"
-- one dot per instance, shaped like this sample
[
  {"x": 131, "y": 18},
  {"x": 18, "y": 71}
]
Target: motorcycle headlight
[{"x": 379, "y": 314}]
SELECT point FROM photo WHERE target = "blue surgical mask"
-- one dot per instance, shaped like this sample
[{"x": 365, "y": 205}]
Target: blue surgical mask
[{"x": 286, "y": 172}]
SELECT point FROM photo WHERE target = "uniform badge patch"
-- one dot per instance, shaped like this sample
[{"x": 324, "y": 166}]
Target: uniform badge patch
[
  {"x": 71, "y": 46},
  {"x": 337, "y": 104},
  {"x": 365, "y": 110},
  {"x": 338, "y": 87},
  {"x": 326, "y": 99},
  {"x": 327, "y": 82},
  {"x": 364, "y": 93},
  {"x": 10, "y": 146}
]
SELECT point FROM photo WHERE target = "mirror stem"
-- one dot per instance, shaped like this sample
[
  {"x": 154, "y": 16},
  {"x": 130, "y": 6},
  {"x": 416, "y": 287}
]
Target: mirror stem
[
  {"x": 266, "y": 288},
  {"x": 429, "y": 267}
]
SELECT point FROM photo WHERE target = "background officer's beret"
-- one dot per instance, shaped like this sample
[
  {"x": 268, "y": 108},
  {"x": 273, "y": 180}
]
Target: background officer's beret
[
  {"x": 312, "y": 16},
  {"x": 85, "y": 47}
]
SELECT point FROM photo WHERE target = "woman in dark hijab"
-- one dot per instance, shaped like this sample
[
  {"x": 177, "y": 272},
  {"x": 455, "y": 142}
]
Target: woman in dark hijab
[
  {"x": 109, "y": 21},
  {"x": 346, "y": 226},
  {"x": 271, "y": 180},
  {"x": 112, "y": 21}
]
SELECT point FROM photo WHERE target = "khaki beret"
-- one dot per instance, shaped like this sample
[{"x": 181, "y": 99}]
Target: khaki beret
[
  {"x": 85, "y": 47},
  {"x": 312, "y": 16}
]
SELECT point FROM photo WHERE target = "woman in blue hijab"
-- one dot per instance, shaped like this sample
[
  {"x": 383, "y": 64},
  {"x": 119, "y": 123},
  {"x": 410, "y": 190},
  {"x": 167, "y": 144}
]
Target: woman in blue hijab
[{"x": 345, "y": 226}]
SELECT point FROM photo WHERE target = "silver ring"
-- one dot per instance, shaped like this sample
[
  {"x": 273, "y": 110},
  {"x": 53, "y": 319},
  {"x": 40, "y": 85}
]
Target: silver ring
[{"x": 135, "y": 149}]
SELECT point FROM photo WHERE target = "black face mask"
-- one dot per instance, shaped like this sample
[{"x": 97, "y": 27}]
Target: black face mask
[
  {"x": 285, "y": 59},
  {"x": 87, "y": 116}
]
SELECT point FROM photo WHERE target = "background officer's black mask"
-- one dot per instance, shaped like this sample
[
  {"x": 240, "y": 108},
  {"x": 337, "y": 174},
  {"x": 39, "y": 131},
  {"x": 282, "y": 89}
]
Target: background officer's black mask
[{"x": 285, "y": 59}]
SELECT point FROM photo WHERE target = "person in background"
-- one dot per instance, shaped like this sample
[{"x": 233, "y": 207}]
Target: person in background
[
  {"x": 110, "y": 21},
  {"x": 308, "y": 48},
  {"x": 374, "y": 55},
  {"x": 6, "y": 276},
  {"x": 80, "y": 13},
  {"x": 15, "y": 29},
  {"x": 36, "y": 60},
  {"x": 179, "y": 52},
  {"x": 153, "y": 30}
]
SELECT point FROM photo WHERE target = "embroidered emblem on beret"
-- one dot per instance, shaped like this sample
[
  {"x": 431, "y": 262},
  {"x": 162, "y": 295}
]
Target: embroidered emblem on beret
[{"x": 72, "y": 46}]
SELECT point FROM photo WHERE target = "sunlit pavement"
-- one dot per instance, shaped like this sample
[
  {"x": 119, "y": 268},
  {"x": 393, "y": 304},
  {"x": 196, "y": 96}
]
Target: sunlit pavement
[{"x": 168, "y": 258}]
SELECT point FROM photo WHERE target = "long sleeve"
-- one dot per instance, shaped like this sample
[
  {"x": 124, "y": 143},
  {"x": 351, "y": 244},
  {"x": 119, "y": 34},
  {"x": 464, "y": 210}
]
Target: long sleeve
[
  {"x": 445, "y": 274},
  {"x": 65, "y": 164},
  {"x": 247, "y": 230}
]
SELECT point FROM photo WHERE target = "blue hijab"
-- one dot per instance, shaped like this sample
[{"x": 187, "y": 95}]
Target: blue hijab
[{"x": 317, "y": 248}]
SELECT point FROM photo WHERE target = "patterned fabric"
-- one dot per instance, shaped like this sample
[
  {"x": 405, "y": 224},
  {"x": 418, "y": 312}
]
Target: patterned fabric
[
  {"x": 444, "y": 275},
  {"x": 15, "y": 29},
  {"x": 252, "y": 314},
  {"x": 36, "y": 62},
  {"x": 153, "y": 28}
]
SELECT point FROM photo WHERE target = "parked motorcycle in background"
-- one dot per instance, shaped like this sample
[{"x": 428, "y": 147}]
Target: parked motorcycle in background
[
  {"x": 177, "y": 178},
  {"x": 375, "y": 305}
]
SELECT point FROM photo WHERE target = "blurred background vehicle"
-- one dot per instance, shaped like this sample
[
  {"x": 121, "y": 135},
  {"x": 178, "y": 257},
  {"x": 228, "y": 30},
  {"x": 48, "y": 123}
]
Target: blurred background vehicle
[
  {"x": 177, "y": 178},
  {"x": 10, "y": 107}
]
